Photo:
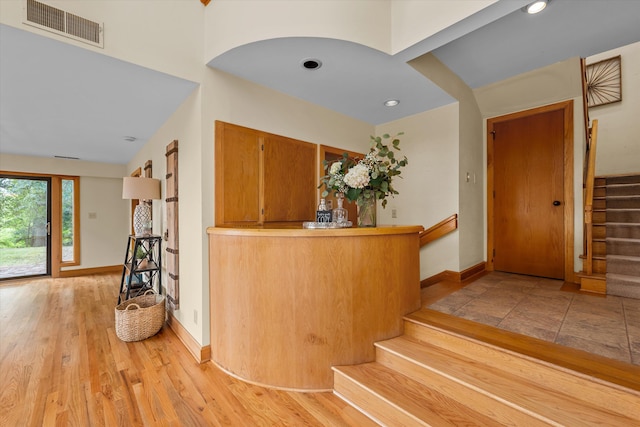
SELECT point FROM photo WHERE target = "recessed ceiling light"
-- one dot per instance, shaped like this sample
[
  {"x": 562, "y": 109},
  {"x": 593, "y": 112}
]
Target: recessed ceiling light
[
  {"x": 391, "y": 102},
  {"x": 536, "y": 6},
  {"x": 311, "y": 63}
]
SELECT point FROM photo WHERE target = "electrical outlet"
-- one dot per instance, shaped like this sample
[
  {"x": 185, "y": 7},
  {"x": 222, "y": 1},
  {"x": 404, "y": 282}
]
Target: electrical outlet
[
  {"x": 195, "y": 316},
  {"x": 394, "y": 213}
]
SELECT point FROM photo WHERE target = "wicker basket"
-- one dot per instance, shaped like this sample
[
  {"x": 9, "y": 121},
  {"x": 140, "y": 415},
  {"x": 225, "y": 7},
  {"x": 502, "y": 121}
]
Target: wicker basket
[{"x": 140, "y": 318}]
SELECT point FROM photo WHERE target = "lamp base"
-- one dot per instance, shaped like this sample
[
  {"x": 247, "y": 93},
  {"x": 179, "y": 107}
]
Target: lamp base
[{"x": 142, "y": 219}]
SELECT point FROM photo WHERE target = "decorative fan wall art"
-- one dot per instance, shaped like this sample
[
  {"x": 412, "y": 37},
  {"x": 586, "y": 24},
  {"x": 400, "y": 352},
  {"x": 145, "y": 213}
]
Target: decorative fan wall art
[{"x": 604, "y": 82}]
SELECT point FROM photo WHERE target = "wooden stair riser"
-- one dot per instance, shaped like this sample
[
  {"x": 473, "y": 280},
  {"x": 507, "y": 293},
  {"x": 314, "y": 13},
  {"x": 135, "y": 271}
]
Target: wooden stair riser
[
  {"x": 599, "y": 217},
  {"x": 599, "y": 266},
  {"x": 624, "y": 265},
  {"x": 599, "y": 231},
  {"x": 599, "y": 192},
  {"x": 375, "y": 407},
  {"x": 599, "y": 182},
  {"x": 627, "y": 202},
  {"x": 599, "y": 203},
  {"x": 623, "y": 215},
  {"x": 628, "y": 247},
  {"x": 623, "y": 190},
  {"x": 599, "y": 248},
  {"x": 593, "y": 392},
  {"x": 393, "y": 399},
  {"x": 495, "y": 406}
]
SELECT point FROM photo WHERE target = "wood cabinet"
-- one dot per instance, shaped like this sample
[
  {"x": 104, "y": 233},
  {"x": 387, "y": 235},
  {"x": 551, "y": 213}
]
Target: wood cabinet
[{"x": 262, "y": 177}]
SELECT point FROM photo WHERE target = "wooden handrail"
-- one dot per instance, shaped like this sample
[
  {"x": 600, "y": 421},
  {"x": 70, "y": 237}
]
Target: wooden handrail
[
  {"x": 588, "y": 196},
  {"x": 440, "y": 229}
]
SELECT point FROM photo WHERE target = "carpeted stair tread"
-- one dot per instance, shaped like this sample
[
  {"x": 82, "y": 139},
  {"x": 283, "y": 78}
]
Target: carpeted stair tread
[
  {"x": 623, "y": 277},
  {"x": 623, "y": 215},
  {"x": 623, "y": 264},
  {"x": 623, "y": 189},
  {"x": 622, "y": 246},
  {"x": 629, "y": 230},
  {"x": 622, "y": 179}
]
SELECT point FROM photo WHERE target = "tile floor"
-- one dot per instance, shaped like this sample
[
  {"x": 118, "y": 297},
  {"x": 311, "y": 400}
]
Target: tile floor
[{"x": 541, "y": 308}]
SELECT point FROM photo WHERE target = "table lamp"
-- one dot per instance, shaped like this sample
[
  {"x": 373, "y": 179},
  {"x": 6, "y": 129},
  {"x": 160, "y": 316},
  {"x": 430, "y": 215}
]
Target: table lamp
[{"x": 143, "y": 189}]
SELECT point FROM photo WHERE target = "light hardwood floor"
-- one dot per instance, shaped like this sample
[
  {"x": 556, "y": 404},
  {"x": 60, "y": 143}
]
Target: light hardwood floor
[{"x": 61, "y": 364}]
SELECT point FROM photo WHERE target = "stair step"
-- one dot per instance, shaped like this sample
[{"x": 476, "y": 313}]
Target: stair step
[
  {"x": 623, "y": 264},
  {"x": 507, "y": 398},
  {"x": 622, "y": 202},
  {"x": 391, "y": 398},
  {"x": 498, "y": 346},
  {"x": 627, "y": 230},
  {"x": 622, "y": 179},
  {"x": 623, "y": 285},
  {"x": 622, "y": 215},
  {"x": 623, "y": 189},
  {"x": 450, "y": 371},
  {"x": 622, "y": 246}
]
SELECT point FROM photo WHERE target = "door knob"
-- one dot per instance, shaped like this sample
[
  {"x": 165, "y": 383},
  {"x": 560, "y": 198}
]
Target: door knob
[{"x": 556, "y": 203}]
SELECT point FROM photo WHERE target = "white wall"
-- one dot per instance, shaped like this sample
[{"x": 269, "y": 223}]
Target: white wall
[
  {"x": 104, "y": 223},
  {"x": 416, "y": 20},
  {"x": 429, "y": 186},
  {"x": 386, "y": 25},
  {"x": 618, "y": 149},
  {"x": 184, "y": 126},
  {"x": 103, "y": 239},
  {"x": 173, "y": 44}
]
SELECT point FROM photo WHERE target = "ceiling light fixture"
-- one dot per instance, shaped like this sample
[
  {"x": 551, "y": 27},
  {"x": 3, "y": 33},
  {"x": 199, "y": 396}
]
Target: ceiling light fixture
[
  {"x": 536, "y": 7},
  {"x": 391, "y": 102},
  {"x": 311, "y": 63}
]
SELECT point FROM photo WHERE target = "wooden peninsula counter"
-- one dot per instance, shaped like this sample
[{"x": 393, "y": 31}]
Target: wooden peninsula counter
[{"x": 286, "y": 304}]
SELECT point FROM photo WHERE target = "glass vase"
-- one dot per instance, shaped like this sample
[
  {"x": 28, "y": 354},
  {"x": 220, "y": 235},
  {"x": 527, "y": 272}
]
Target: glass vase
[
  {"x": 340, "y": 214},
  {"x": 366, "y": 211}
]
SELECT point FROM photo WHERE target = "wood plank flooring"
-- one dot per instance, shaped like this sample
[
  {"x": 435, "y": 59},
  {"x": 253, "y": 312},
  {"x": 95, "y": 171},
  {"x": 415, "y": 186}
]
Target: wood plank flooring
[{"x": 61, "y": 364}]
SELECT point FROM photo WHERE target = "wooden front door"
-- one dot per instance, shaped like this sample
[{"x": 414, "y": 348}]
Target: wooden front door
[{"x": 528, "y": 194}]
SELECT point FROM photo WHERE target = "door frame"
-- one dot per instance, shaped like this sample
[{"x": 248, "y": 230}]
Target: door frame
[
  {"x": 55, "y": 221},
  {"x": 568, "y": 174}
]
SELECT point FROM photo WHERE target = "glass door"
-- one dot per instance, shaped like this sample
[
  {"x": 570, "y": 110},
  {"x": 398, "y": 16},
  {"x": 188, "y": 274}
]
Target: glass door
[{"x": 25, "y": 226}]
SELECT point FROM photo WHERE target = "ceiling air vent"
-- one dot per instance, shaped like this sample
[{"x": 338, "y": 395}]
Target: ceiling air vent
[{"x": 64, "y": 23}]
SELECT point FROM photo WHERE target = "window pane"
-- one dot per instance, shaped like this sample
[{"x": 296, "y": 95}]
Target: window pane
[{"x": 67, "y": 220}]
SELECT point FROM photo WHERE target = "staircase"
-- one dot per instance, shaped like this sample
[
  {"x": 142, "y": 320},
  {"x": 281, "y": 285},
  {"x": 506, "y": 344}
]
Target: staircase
[
  {"x": 623, "y": 236},
  {"x": 450, "y": 371}
]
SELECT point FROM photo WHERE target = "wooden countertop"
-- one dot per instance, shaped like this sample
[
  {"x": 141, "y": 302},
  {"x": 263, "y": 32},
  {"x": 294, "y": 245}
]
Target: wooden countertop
[{"x": 296, "y": 230}]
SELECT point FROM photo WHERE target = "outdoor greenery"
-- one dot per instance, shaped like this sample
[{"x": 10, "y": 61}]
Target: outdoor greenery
[
  {"x": 23, "y": 256},
  {"x": 23, "y": 212}
]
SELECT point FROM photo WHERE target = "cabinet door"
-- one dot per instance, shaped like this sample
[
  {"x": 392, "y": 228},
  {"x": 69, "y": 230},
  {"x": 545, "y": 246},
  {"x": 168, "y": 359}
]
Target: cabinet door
[
  {"x": 237, "y": 174},
  {"x": 289, "y": 179}
]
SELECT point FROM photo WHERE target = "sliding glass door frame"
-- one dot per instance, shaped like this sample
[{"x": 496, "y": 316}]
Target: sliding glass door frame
[{"x": 47, "y": 226}]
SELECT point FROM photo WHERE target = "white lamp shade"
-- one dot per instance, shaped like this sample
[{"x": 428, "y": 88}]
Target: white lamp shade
[{"x": 140, "y": 188}]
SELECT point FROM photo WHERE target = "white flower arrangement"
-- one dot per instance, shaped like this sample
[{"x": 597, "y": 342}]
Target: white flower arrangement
[{"x": 368, "y": 177}]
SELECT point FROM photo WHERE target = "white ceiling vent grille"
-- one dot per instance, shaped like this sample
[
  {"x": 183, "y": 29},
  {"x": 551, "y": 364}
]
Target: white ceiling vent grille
[{"x": 64, "y": 23}]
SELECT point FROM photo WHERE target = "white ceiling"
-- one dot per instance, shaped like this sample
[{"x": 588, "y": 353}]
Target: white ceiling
[{"x": 57, "y": 99}]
